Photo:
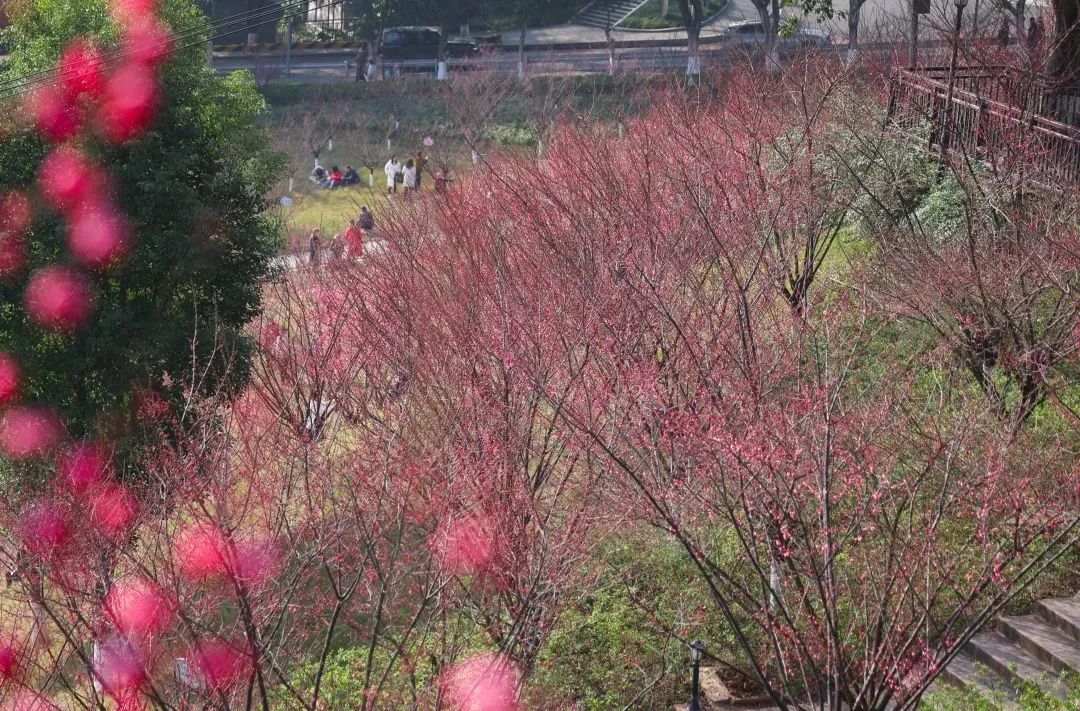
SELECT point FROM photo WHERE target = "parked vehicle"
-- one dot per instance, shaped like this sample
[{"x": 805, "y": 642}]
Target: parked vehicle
[
  {"x": 752, "y": 32},
  {"x": 423, "y": 43}
]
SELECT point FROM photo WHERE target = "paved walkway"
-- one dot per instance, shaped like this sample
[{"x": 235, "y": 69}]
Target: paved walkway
[{"x": 580, "y": 34}]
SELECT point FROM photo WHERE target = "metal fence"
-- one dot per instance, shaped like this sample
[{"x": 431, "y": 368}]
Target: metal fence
[{"x": 997, "y": 115}]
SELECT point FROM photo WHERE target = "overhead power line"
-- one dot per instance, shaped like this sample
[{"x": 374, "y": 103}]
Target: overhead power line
[{"x": 178, "y": 41}]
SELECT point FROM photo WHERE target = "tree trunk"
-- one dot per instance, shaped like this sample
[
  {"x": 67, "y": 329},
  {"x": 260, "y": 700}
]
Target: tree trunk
[
  {"x": 610, "y": 38},
  {"x": 379, "y": 71},
  {"x": 853, "y": 26},
  {"x": 1064, "y": 63},
  {"x": 442, "y": 71},
  {"x": 692, "y": 11},
  {"x": 521, "y": 51},
  {"x": 693, "y": 55},
  {"x": 769, "y": 12},
  {"x": 664, "y": 7}
]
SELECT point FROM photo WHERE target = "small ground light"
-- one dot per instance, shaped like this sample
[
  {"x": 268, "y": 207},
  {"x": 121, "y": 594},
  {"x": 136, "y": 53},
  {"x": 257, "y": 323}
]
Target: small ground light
[{"x": 696, "y": 648}]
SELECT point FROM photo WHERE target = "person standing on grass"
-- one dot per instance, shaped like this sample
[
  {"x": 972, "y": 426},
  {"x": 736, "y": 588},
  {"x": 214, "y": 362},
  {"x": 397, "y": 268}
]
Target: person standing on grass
[
  {"x": 313, "y": 246},
  {"x": 392, "y": 170},
  {"x": 421, "y": 166},
  {"x": 410, "y": 176}
]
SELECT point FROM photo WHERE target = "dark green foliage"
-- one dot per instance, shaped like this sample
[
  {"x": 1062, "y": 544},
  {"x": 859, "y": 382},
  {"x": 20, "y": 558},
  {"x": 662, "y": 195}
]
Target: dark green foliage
[
  {"x": 649, "y": 16},
  {"x": 193, "y": 188}
]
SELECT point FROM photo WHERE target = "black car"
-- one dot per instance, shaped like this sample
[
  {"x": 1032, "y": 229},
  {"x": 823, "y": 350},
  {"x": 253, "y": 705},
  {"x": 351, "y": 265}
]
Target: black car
[{"x": 423, "y": 43}]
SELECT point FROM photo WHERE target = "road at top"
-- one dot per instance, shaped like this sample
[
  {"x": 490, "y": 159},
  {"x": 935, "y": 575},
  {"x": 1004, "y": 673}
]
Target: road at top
[{"x": 881, "y": 21}]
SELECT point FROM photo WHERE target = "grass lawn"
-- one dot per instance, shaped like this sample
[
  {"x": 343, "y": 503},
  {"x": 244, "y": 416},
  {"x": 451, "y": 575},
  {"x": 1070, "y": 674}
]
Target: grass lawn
[
  {"x": 423, "y": 108},
  {"x": 331, "y": 210},
  {"x": 648, "y": 17}
]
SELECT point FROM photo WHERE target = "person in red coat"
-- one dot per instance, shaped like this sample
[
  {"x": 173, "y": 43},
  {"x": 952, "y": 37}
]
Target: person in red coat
[{"x": 354, "y": 240}]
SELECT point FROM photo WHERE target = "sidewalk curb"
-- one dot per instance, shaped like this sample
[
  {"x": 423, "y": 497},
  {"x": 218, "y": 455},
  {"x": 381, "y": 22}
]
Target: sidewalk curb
[{"x": 277, "y": 48}]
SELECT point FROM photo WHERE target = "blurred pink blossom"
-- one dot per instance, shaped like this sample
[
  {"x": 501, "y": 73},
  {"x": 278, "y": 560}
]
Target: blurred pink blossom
[
  {"x": 132, "y": 10},
  {"x": 59, "y": 298},
  {"x": 119, "y": 667},
  {"x": 220, "y": 664},
  {"x": 56, "y": 116},
  {"x": 130, "y": 102},
  {"x": 483, "y": 683},
  {"x": 99, "y": 236},
  {"x": 68, "y": 179},
  {"x": 202, "y": 552},
  {"x": 137, "y": 606},
  {"x": 147, "y": 41},
  {"x": 82, "y": 69},
  {"x": 28, "y": 432},
  {"x": 256, "y": 561},
  {"x": 46, "y": 527},
  {"x": 83, "y": 466},
  {"x": 9, "y": 660},
  {"x": 112, "y": 509},
  {"x": 10, "y": 379}
]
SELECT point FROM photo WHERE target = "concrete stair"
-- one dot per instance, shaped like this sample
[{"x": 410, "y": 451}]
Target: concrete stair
[
  {"x": 714, "y": 695},
  {"x": 1030, "y": 649},
  {"x": 599, "y": 12}
]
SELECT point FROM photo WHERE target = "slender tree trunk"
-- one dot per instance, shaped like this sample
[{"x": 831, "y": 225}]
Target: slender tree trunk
[
  {"x": 1064, "y": 62},
  {"x": 854, "y": 10},
  {"x": 442, "y": 71},
  {"x": 610, "y": 38},
  {"x": 770, "y": 21},
  {"x": 693, "y": 54},
  {"x": 378, "y": 57},
  {"x": 664, "y": 7},
  {"x": 521, "y": 51}
]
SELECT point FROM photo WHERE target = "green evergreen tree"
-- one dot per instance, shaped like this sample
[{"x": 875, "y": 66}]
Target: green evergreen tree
[{"x": 194, "y": 189}]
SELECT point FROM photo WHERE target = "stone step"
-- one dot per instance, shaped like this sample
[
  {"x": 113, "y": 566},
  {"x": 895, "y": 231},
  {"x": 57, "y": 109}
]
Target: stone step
[
  {"x": 598, "y": 14},
  {"x": 1044, "y": 642},
  {"x": 1006, "y": 659},
  {"x": 712, "y": 688},
  {"x": 964, "y": 672},
  {"x": 1063, "y": 614}
]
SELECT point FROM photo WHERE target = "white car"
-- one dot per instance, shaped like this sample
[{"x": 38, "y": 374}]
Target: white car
[{"x": 752, "y": 32}]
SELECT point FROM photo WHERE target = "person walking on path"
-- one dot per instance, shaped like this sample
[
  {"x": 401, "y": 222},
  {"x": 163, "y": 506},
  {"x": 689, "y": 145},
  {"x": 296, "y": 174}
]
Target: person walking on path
[
  {"x": 354, "y": 240},
  {"x": 410, "y": 176},
  {"x": 1003, "y": 33},
  {"x": 393, "y": 170},
  {"x": 313, "y": 246},
  {"x": 1034, "y": 36},
  {"x": 421, "y": 168}
]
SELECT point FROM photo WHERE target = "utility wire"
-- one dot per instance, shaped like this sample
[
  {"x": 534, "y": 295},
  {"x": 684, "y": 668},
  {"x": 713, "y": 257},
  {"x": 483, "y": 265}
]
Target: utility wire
[{"x": 176, "y": 41}]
